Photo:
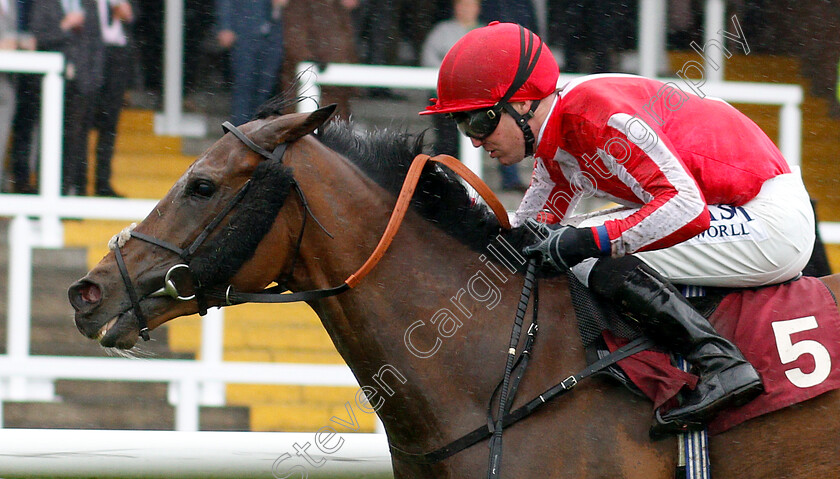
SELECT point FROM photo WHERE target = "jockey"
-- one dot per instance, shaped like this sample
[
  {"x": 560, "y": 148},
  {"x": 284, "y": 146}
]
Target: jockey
[{"x": 707, "y": 197}]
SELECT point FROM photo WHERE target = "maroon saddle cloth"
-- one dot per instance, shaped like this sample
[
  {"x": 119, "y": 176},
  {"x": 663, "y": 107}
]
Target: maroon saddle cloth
[{"x": 789, "y": 332}]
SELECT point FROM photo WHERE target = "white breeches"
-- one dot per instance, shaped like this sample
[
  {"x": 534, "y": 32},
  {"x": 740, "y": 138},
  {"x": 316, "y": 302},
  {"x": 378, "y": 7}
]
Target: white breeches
[{"x": 766, "y": 241}]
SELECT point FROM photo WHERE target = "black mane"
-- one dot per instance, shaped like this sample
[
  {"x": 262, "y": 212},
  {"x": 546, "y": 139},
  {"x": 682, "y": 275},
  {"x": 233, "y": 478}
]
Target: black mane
[{"x": 385, "y": 156}]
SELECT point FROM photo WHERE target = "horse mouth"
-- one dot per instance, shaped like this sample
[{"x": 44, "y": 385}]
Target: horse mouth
[{"x": 121, "y": 332}]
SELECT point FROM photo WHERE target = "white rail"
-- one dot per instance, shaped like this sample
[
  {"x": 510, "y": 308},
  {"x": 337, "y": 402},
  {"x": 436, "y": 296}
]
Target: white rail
[
  {"x": 788, "y": 97},
  {"x": 51, "y": 65},
  {"x": 185, "y": 377},
  {"x": 166, "y": 454}
]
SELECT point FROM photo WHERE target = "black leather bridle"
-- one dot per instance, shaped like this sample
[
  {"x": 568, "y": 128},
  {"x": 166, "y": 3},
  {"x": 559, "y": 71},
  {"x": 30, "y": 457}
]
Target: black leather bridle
[
  {"x": 230, "y": 297},
  {"x": 514, "y": 369}
]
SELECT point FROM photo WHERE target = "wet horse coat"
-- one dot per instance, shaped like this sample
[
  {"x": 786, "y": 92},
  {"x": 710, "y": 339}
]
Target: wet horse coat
[{"x": 426, "y": 332}]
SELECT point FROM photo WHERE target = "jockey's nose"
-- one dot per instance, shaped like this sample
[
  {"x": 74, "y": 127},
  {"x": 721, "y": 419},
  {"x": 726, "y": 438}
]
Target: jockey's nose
[
  {"x": 84, "y": 295},
  {"x": 476, "y": 142}
]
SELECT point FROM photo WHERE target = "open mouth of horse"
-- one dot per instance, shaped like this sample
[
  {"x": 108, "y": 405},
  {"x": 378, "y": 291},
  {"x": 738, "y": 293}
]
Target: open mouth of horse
[
  {"x": 121, "y": 331},
  {"x": 110, "y": 335}
]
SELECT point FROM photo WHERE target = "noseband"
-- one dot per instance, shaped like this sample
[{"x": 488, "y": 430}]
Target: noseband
[{"x": 170, "y": 287}]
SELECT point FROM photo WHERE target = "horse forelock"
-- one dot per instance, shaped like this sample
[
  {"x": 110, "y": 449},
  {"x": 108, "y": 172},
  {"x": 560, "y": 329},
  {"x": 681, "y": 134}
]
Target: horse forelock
[{"x": 385, "y": 156}]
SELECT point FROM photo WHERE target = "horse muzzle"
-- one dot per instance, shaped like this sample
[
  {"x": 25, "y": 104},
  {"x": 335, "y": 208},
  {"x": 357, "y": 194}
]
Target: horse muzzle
[{"x": 86, "y": 298}]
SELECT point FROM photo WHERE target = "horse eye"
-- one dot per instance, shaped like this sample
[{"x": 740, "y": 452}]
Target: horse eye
[{"x": 202, "y": 188}]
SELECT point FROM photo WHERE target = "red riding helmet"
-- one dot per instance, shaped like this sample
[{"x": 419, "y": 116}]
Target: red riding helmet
[{"x": 479, "y": 69}]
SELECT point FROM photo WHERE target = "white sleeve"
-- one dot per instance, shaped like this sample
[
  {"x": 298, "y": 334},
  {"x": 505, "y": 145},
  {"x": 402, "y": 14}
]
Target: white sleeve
[{"x": 536, "y": 196}]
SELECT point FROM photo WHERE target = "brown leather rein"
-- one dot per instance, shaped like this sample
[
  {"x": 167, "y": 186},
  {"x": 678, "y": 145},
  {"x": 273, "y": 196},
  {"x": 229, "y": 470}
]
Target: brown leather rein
[
  {"x": 277, "y": 294},
  {"x": 403, "y": 201}
]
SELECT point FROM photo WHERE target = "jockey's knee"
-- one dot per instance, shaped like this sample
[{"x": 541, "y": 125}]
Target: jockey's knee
[{"x": 603, "y": 275}]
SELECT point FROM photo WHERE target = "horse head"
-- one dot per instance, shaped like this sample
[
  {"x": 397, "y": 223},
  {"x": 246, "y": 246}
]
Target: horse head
[{"x": 202, "y": 237}]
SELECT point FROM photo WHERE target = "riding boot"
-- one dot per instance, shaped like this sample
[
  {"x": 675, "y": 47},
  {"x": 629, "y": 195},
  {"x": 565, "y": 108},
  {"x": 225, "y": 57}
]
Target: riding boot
[{"x": 726, "y": 378}]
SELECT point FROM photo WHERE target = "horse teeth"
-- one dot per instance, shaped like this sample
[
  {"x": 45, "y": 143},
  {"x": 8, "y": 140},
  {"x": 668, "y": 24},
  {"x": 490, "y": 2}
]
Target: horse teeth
[{"x": 105, "y": 329}]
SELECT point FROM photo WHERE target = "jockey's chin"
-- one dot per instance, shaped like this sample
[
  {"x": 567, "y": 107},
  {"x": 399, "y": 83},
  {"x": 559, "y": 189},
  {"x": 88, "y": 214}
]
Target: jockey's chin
[{"x": 506, "y": 157}]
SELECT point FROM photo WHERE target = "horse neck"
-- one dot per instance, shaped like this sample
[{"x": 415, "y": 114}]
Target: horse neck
[{"x": 417, "y": 331}]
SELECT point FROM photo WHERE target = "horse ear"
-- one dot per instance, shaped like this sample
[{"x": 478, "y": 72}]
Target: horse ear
[{"x": 313, "y": 121}]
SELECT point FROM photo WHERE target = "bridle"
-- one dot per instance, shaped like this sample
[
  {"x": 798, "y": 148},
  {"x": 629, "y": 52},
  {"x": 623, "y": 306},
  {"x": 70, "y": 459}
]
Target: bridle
[
  {"x": 515, "y": 367},
  {"x": 276, "y": 294},
  {"x": 187, "y": 254}
]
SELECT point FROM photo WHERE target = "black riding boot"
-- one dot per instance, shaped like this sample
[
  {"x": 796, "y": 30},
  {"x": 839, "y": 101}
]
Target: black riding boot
[{"x": 726, "y": 378}]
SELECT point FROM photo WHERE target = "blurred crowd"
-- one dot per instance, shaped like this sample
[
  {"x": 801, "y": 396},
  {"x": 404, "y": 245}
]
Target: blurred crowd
[{"x": 253, "y": 45}]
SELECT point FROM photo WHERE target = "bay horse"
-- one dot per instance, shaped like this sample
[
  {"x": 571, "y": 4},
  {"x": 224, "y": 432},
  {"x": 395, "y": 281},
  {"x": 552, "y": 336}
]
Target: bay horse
[{"x": 426, "y": 332}]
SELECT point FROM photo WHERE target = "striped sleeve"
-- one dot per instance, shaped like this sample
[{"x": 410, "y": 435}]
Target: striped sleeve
[
  {"x": 673, "y": 208},
  {"x": 537, "y": 195}
]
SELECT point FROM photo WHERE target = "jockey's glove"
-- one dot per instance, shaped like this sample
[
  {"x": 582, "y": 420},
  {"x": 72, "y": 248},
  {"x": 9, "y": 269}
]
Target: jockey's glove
[{"x": 564, "y": 246}]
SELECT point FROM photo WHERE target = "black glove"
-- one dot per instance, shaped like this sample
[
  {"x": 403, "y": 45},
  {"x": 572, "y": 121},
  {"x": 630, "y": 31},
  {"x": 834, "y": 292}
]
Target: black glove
[{"x": 563, "y": 246}]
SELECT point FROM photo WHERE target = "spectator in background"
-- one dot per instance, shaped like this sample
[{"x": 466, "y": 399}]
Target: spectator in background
[
  {"x": 109, "y": 101},
  {"x": 199, "y": 19},
  {"x": 514, "y": 11},
  {"x": 442, "y": 37},
  {"x": 305, "y": 24},
  {"x": 253, "y": 31},
  {"x": 148, "y": 33},
  {"x": 72, "y": 27},
  {"x": 27, "y": 110},
  {"x": 8, "y": 41},
  {"x": 590, "y": 31},
  {"x": 391, "y": 32}
]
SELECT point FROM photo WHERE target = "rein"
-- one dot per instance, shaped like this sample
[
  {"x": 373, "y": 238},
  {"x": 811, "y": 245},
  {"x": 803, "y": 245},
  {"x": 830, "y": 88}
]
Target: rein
[
  {"x": 514, "y": 367},
  {"x": 276, "y": 294},
  {"x": 403, "y": 202}
]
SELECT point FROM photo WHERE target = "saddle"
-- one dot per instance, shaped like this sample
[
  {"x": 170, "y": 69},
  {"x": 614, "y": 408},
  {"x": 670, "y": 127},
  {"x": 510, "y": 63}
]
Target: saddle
[{"x": 790, "y": 332}]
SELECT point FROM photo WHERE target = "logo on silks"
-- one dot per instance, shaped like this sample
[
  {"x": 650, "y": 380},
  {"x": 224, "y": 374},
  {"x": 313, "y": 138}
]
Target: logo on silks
[{"x": 730, "y": 223}]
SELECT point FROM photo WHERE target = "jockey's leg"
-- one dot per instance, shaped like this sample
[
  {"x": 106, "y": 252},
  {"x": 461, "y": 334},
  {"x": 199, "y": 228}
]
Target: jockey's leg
[
  {"x": 726, "y": 378},
  {"x": 766, "y": 241}
]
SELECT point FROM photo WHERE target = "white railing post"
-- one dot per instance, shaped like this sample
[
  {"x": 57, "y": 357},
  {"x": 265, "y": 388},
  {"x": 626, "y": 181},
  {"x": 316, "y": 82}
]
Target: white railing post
[
  {"x": 173, "y": 65},
  {"x": 187, "y": 408},
  {"x": 52, "y": 133},
  {"x": 470, "y": 156},
  {"x": 19, "y": 299},
  {"x": 212, "y": 352},
  {"x": 19, "y": 319},
  {"x": 790, "y": 132},
  {"x": 308, "y": 88},
  {"x": 652, "y": 33},
  {"x": 713, "y": 21}
]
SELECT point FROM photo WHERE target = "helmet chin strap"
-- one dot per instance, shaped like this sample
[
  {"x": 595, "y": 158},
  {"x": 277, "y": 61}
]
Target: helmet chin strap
[{"x": 522, "y": 122}]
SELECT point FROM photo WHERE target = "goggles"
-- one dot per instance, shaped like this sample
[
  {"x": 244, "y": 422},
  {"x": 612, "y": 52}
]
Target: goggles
[{"x": 477, "y": 124}]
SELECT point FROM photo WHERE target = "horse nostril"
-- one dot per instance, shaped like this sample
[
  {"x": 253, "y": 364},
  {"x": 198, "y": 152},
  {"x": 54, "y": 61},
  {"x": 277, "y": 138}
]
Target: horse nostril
[{"x": 84, "y": 294}]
